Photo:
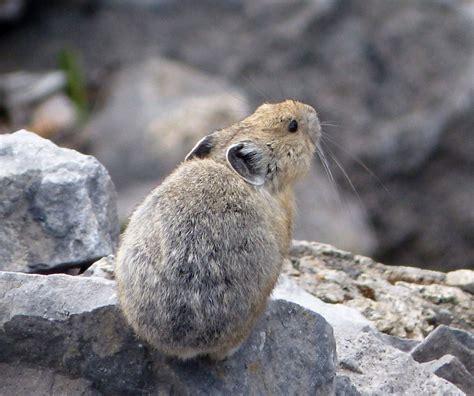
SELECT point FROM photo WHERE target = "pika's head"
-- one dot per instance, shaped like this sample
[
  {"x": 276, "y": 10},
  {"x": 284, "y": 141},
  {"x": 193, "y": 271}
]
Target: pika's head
[{"x": 274, "y": 146}]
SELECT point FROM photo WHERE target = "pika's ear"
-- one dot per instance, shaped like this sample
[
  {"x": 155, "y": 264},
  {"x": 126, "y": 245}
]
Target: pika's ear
[
  {"x": 247, "y": 160},
  {"x": 202, "y": 148}
]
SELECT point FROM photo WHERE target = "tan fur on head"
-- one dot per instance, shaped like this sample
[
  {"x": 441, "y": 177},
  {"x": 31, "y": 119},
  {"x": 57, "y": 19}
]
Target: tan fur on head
[{"x": 202, "y": 253}]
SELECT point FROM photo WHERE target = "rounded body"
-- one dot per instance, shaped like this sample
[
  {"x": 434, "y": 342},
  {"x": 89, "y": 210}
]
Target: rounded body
[
  {"x": 203, "y": 252},
  {"x": 199, "y": 259}
]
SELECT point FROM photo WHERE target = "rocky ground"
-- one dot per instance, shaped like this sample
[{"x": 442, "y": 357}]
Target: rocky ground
[
  {"x": 337, "y": 323},
  {"x": 401, "y": 301},
  {"x": 392, "y": 82}
]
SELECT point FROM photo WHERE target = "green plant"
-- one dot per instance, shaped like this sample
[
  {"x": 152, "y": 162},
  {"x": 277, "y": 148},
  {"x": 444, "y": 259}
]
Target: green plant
[{"x": 76, "y": 87}]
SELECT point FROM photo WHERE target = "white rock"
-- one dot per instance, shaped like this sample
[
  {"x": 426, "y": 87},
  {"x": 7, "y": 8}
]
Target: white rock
[{"x": 463, "y": 278}]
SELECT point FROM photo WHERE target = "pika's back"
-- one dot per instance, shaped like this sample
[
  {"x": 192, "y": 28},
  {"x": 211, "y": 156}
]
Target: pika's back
[
  {"x": 195, "y": 258},
  {"x": 205, "y": 207}
]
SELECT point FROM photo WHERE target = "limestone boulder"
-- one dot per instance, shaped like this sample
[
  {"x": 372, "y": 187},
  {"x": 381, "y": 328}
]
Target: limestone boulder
[
  {"x": 72, "y": 326},
  {"x": 447, "y": 340},
  {"x": 404, "y": 302},
  {"x": 451, "y": 369},
  {"x": 369, "y": 362},
  {"x": 57, "y": 206}
]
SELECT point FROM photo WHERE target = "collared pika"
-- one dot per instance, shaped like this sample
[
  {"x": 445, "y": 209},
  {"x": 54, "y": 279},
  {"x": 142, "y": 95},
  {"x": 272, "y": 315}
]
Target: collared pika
[{"x": 203, "y": 252}]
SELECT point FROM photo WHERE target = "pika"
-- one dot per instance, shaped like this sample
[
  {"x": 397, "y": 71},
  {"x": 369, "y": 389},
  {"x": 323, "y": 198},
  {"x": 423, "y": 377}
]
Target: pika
[{"x": 204, "y": 250}]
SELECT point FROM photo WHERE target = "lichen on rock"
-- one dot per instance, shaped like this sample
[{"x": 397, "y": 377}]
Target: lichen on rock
[{"x": 401, "y": 301}]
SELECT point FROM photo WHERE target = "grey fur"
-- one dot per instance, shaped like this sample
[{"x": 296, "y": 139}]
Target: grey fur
[{"x": 202, "y": 253}]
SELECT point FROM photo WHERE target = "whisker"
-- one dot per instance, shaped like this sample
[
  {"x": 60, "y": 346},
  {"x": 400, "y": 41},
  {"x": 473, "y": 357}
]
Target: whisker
[
  {"x": 330, "y": 125},
  {"x": 280, "y": 87},
  {"x": 331, "y": 140},
  {"x": 326, "y": 167},
  {"x": 254, "y": 86},
  {"x": 346, "y": 176},
  {"x": 239, "y": 96}
]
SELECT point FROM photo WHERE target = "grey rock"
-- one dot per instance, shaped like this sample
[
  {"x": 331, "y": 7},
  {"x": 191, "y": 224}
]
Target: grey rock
[
  {"x": 400, "y": 301},
  {"x": 72, "y": 325},
  {"x": 373, "y": 363},
  {"x": 344, "y": 320},
  {"x": 103, "y": 268},
  {"x": 414, "y": 275},
  {"x": 19, "y": 380},
  {"x": 402, "y": 344},
  {"x": 269, "y": 363},
  {"x": 447, "y": 340},
  {"x": 461, "y": 278},
  {"x": 451, "y": 369},
  {"x": 57, "y": 206},
  {"x": 20, "y": 91},
  {"x": 345, "y": 387},
  {"x": 429, "y": 219},
  {"x": 376, "y": 368}
]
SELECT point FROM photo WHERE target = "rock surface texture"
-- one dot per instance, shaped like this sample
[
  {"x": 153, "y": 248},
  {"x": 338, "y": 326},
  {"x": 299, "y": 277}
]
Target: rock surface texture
[
  {"x": 68, "y": 326},
  {"x": 401, "y": 301},
  {"x": 369, "y": 362},
  {"x": 57, "y": 206},
  {"x": 20, "y": 380},
  {"x": 451, "y": 369},
  {"x": 455, "y": 342},
  {"x": 67, "y": 334},
  {"x": 376, "y": 368}
]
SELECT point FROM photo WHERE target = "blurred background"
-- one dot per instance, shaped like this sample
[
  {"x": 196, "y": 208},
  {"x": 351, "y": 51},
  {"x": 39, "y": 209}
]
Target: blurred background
[{"x": 137, "y": 82}]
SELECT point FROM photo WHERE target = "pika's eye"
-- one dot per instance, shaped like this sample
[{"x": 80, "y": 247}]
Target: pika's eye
[{"x": 293, "y": 126}]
